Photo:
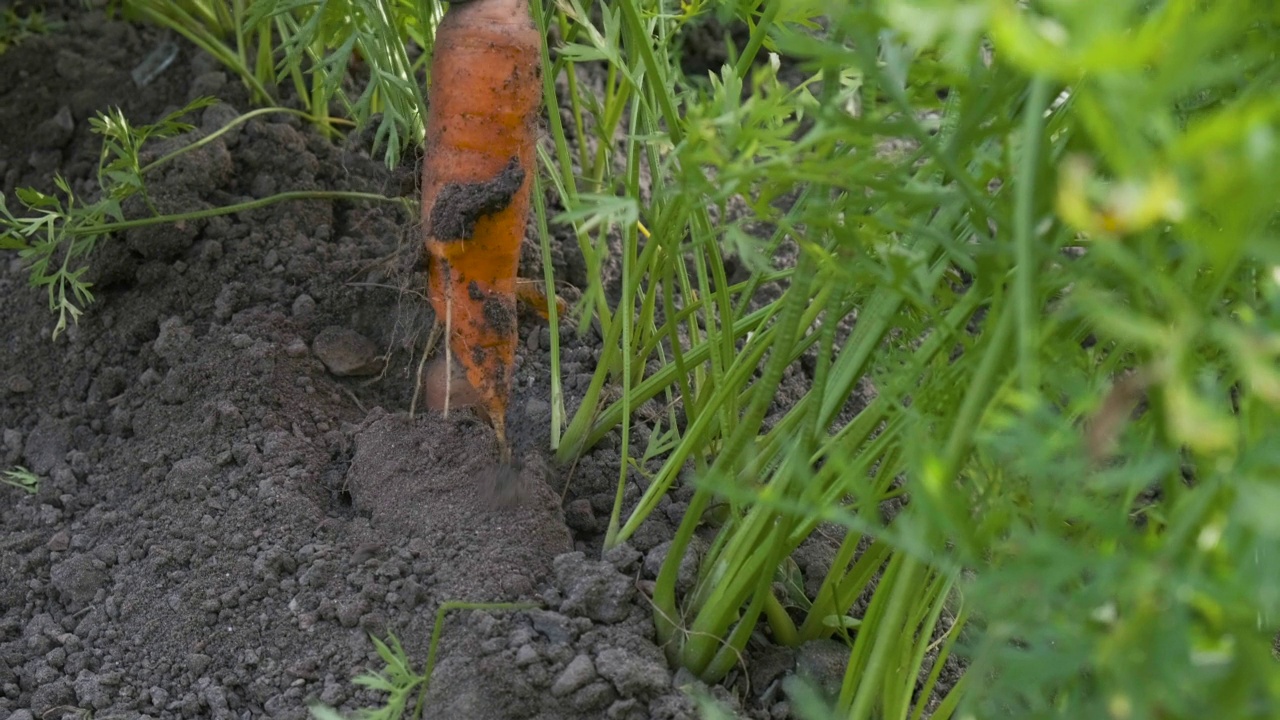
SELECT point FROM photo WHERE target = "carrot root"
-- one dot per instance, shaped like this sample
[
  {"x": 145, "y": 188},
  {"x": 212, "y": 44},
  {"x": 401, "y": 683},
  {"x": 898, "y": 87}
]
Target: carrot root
[
  {"x": 476, "y": 178},
  {"x": 530, "y": 293}
]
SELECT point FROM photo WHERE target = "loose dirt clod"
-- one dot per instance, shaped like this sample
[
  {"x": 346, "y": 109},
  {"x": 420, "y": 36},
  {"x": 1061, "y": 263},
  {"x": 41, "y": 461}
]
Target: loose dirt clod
[{"x": 594, "y": 588}]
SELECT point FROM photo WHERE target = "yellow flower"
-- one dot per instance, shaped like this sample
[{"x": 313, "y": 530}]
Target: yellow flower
[{"x": 1100, "y": 207}]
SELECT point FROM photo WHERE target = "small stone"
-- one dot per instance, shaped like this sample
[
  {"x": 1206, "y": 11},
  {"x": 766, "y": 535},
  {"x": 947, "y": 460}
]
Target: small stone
[
  {"x": 18, "y": 384},
  {"x": 686, "y": 574},
  {"x": 50, "y": 695},
  {"x": 207, "y": 84},
  {"x": 593, "y": 589},
  {"x": 60, "y": 541},
  {"x": 632, "y": 674},
  {"x": 346, "y": 352},
  {"x": 576, "y": 674},
  {"x": 45, "y": 674},
  {"x": 823, "y": 662},
  {"x": 623, "y": 557},
  {"x": 556, "y": 628},
  {"x": 173, "y": 337},
  {"x": 374, "y": 623},
  {"x": 77, "y": 579},
  {"x": 349, "y": 614},
  {"x": 303, "y": 306},
  {"x": 228, "y": 415},
  {"x": 594, "y": 697},
  {"x": 216, "y": 699},
  {"x": 579, "y": 516},
  {"x": 89, "y": 691},
  {"x": 628, "y": 709},
  {"x": 44, "y": 162},
  {"x": 262, "y": 185},
  {"x": 770, "y": 663},
  {"x": 316, "y": 575},
  {"x": 526, "y": 656},
  {"x": 56, "y": 131},
  {"x": 189, "y": 471},
  {"x": 536, "y": 408},
  {"x": 198, "y": 662},
  {"x": 47, "y": 445}
]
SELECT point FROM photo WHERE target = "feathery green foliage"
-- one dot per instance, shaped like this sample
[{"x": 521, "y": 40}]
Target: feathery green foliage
[
  {"x": 1055, "y": 228},
  {"x": 322, "y": 50}
]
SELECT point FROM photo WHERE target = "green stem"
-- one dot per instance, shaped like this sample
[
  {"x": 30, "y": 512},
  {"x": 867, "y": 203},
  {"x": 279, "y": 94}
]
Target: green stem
[
  {"x": 231, "y": 209},
  {"x": 1024, "y": 235},
  {"x": 222, "y": 131},
  {"x": 640, "y": 39},
  {"x": 666, "y": 615},
  {"x": 940, "y": 660},
  {"x": 629, "y": 289},
  {"x": 553, "y": 312},
  {"x": 905, "y": 582},
  {"x": 757, "y": 38}
]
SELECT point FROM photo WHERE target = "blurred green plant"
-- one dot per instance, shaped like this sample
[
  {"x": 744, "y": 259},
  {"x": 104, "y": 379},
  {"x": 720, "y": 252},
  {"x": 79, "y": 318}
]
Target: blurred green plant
[
  {"x": 1052, "y": 229},
  {"x": 16, "y": 26}
]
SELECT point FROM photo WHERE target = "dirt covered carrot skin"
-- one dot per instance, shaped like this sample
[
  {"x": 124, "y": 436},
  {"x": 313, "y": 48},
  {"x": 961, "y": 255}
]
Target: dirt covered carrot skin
[{"x": 477, "y": 169}]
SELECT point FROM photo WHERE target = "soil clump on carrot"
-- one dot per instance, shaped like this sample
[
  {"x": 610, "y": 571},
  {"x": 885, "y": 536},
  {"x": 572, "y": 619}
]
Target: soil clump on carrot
[{"x": 460, "y": 205}]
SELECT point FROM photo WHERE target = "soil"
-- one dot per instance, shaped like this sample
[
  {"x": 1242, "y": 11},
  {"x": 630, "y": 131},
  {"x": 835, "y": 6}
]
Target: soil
[{"x": 233, "y": 496}]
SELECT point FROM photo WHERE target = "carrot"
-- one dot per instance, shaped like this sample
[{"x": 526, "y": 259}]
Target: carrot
[{"x": 476, "y": 173}]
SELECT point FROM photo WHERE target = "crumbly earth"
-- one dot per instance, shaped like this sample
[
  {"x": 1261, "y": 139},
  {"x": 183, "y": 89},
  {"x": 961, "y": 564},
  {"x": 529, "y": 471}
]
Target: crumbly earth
[{"x": 233, "y": 496}]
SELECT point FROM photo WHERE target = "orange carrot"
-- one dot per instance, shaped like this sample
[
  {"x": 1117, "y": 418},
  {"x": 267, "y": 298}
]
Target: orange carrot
[{"x": 476, "y": 173}]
